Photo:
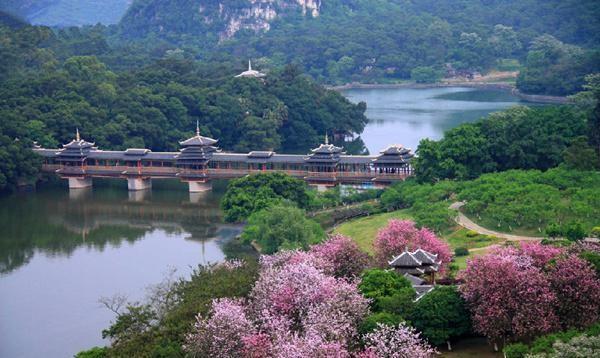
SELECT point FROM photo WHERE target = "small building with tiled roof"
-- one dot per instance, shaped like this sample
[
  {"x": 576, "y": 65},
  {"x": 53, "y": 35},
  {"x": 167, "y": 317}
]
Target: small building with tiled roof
[{"x": 414, "y": 264}]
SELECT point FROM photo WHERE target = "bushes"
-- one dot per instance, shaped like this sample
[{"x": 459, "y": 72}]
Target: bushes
[
  {"x": 546, "y": 344},
  {"x": 281, "y": 227},
  {"x": 461, "y": 251},
  {"x": 515, "y": 350},
  {"x": 442, "y": 315},
  {"x": 370, "y": 323},
  {"x": 132, "y": 335},
  {"x": 253, "y": 193},
  {"x": 389, "y": 291}
]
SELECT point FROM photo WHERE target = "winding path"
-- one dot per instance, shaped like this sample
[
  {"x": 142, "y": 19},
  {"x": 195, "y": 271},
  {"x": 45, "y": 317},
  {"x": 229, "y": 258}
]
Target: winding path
[{"x": 464, "y": 221}]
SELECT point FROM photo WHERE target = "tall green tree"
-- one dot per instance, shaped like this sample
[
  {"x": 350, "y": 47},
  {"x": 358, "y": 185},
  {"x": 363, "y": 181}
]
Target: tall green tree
[{"x": 442, "y": 315}]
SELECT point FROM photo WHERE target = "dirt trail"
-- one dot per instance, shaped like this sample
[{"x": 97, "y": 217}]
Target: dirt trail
[{"x": 464, "y": 221}]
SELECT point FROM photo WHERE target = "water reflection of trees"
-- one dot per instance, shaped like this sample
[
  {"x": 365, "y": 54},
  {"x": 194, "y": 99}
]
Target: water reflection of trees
[{"x": 56, "y": 224}]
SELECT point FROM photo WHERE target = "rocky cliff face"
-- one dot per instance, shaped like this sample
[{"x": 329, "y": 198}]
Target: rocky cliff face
[{"x": 223, "y": 17}]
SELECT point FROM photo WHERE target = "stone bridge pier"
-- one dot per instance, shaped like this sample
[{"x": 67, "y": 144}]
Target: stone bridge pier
[
  {"x": 79, "y": 182},
  {"x": 199, "y": 186},
  {"x": 134, "y": 184}
]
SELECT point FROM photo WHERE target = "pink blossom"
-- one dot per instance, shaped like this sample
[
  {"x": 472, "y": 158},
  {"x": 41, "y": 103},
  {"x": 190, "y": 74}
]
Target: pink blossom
[
  {"x": 395, "y": 342},
  {"x": 577, "y": 289},
  {"x": 340, "y": 256},
  {"x": 508, "y": 296},
  {"x": 220, "y": 334},
  {"x": 297, "y": 297},
  {"x": 401, "y": 235},
  {"x": 541, "y": 254},
  {"x": 257, "y": 345}
]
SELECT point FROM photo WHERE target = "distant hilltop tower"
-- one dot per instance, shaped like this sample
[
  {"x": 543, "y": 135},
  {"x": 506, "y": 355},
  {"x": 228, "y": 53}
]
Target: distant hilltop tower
[{"x": 251, "y": 73}]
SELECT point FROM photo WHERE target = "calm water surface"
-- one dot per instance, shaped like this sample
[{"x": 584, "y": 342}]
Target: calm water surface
[
  {"x": 407, "y": 115},
  {"x": 60, "y": 252}
]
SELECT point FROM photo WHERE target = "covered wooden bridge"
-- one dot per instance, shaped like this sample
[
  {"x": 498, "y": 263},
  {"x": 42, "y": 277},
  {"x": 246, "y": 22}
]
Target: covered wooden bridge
[{"x": 199, "y": 161}]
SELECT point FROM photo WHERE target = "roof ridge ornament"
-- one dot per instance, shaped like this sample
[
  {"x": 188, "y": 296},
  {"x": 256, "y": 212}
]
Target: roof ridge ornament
[
  {"x": 77, "y": 137},
  {"x": 249, "y": 65},
  {"x": 326, "y": 139},
  {"x": 198, "y": 128}
]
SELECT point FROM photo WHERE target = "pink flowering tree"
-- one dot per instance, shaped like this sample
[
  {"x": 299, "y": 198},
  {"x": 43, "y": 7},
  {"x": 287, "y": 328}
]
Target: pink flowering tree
[
  {"x": 577, "y": 290},
  {"x": 300, "y": 298},
  {"x": 395, "y": 342},
  {"x": 508, "y": 296},
  {"x": 540, "y": 254},
  {"x": 340, "y": 256},
  {"x": 401, "y": 235},
  {"x": 221, "y": 334}
]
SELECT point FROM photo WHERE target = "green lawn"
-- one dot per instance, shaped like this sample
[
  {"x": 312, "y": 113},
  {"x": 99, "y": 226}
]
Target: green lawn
[
  {"x": 461, "y": 237},
  {"x": 364, "y": 230}
]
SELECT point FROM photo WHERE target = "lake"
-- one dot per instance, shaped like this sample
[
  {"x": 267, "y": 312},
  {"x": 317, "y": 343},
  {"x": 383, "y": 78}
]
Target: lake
[
  {"x": 407, "y": 115},
  {"x": 61, "y": 251}
]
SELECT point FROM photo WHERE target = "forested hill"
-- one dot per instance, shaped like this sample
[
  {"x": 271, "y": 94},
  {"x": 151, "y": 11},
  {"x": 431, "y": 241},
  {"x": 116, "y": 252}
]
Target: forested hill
[
  {"x": 50, "y": 84},
  {"x": 344, "y": 40}
]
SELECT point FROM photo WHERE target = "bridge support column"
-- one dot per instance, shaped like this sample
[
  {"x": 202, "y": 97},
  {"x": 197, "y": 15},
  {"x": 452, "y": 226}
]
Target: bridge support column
[
  {"x": 321, "y": 187},
  {"x": 198, "y": 186},
  {"x": 139, "y": 183},
  {"x": 80, "y": 183}
]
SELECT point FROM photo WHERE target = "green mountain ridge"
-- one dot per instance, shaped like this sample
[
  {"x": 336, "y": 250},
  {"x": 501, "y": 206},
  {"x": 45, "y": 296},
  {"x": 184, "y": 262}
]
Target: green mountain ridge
[{"x": 338, "y": 41}]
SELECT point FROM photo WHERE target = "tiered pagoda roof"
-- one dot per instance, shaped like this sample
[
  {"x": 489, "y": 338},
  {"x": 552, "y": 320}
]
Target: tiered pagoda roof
[
  {"x": 196, "y": 150},
  {"x": 76, "y": 150},
  {"x": 412, "y": 264},
  {"x": 417, "y": 262},
  {"x": 394, "y": 154},
  {"x": 325, "y": 153}
]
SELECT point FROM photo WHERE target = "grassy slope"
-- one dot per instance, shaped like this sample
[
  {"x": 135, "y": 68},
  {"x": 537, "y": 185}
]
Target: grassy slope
[{"x": 364, "y": 231}]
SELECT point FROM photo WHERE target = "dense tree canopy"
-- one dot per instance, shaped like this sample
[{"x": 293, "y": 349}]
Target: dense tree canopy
[
  {"x": 253, "y": 193},
  {"x": 555, "y": 68},
  {"x": 51, "y": 84},
  {"x": 363, "y": 40},
  {"x": 281, "y": 227},
  {"x": 442, "y": 315},
  {"x": 518, "y": 138}
]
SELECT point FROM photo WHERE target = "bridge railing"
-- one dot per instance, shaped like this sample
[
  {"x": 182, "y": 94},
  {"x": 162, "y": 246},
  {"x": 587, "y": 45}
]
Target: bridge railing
[{"x": 118, "y": 170}]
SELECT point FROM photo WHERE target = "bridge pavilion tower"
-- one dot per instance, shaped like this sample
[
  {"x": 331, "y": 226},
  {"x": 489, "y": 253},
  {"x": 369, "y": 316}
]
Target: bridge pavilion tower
[
  {"x": 193, "y": 159},
  {"x": 394, "y": 161},
  {"x": 322, "y": 165},
  {"x": 73, "y": 158}
]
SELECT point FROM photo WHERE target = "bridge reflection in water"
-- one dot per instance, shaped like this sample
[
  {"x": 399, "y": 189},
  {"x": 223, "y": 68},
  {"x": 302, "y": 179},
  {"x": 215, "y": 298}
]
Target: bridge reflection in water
[{"x": 200, "y": 161}]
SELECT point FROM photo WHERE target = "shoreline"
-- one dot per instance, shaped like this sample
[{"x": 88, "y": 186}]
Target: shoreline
[{"x": 534, "y": 98}]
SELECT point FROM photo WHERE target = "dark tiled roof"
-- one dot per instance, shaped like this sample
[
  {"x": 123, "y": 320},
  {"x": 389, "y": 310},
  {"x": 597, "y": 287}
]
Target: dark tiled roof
[
  {"x": 327, "y": 149},
  {"x": 198, "y": 140},
  {"x": 414, "y": 280},
  {"x": 355, "y": 159},
  {"x": 137, "y": 151},
  {"x": 260, "y": 154},
  {"x": 425, "y": 257},
  {"x": 422, "y": 290},
  {"x": 405, "y": 259},
  {"x": 394, "y": 154}
]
